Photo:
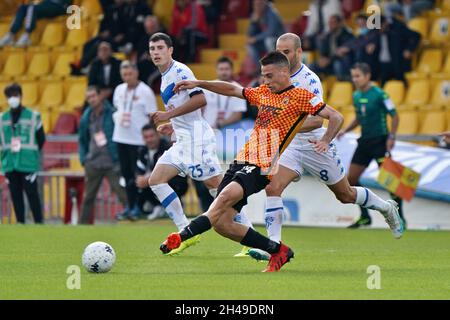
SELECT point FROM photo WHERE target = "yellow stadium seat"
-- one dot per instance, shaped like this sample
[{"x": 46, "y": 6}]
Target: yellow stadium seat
[
  {"x": 76, "y": 37},
  {"x": 242, "y": 25},
  {"x": 445, "y": 5},
  {"x": 433, "y": 122},
  {"x": 395, "y": 89},
  {"x": 441, "y": 94},
  {"x": 163, "y": 10},
  {"x": 14, "y": 65},
  {"x": 52, "y": 95},
  {"x": 430, "y": 61},
  {"x": 46, "y": 120},
  {"x": 39, "y": 65},
  {"x": 203, "y": 71},
  {"x": 325, "y": 91},
  {"x": 446, "y": 68},
  {"x": 212, "y": 55},
  {"x": 448, "y": 121},
  {"x": 439, "y": 31},
  {"x": 3, "y": 102},
  {"x": 91, "y": 8},
  {"x": 53, "y": 35},
  {"x": 75, "y": 96},
  {"x": 290, "y": 11},
  {"x": 232, "y": 41},
  {"x": 349, "y": 116},
  {"x": 160, "y": 103},
  {"x": 30, "y": 93},
  {"x": 4, "y": 28},
  {"x": 409, "y": 122},
  {"x": 418, "y": 94},
  {"x": 62, "y": 64},
  {"x": 420, "y": 25},
  {"x": 341, "y": 95}
]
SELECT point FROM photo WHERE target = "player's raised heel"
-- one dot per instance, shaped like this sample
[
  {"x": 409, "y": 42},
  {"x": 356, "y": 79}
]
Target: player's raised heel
[
  {"x": 277, "y": 260},
  {"x": 173, "y": 241}
]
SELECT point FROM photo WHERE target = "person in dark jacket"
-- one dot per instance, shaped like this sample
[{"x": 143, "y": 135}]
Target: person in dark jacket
[
  {"x": 393, "y": 48},
  {"x": 105, "y": 71},
  {"x": 30, "y": 13},
  {"x": 97, "y": 151},
  {"x": 154, "y": 148},
  {"x": 330, "y": 61}
]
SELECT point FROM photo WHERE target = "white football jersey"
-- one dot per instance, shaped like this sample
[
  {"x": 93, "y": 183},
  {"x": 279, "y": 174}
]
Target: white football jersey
[
  {"x": 190, "y": 127},
  {"x": 308, "y": 80}
]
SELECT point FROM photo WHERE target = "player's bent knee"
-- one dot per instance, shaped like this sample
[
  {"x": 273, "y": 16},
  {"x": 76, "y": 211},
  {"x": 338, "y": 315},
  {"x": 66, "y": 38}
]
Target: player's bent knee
[{"x": 274, "y": 190}]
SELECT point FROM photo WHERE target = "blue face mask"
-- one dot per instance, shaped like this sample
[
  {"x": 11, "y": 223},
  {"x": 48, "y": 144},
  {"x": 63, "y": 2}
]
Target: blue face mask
[{"x": 363, "y": 31}]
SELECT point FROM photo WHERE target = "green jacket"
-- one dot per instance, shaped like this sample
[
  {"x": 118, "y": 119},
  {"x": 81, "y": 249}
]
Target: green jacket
[
  {"x": 108, "y": 128},
  {"x": 27, "y": 159}
]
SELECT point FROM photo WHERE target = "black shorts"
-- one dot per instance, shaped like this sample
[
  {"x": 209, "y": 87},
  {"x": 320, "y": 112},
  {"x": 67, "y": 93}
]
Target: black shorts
[
  {"x": 248, "y": 176},
  {"x": 368, "y": 149}
]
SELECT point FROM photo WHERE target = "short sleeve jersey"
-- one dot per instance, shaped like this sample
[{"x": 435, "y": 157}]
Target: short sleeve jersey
[
  {"x": 280, "y": 115},
  {"x": 371, "y": 108},
  {"x": 190, "y": 126}
]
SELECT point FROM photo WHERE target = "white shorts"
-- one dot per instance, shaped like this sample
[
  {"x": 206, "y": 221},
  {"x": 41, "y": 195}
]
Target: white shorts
[
  {"x": 327, "y": 167},
  {"x": 199, "y": 163}
]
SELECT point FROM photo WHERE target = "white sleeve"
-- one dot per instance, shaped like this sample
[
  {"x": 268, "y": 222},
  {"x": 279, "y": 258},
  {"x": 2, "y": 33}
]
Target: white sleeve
[
  {"x": 237, "y": 104},
  {"x": 150, "y": 101},
  {"x": 187, "y": 74},
  {"x": 116, "y": 99}
]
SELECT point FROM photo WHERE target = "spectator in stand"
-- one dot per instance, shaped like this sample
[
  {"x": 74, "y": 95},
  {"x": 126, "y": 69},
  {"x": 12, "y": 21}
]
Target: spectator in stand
[
  {"x": 221, "y": 111},
  {"x": 407, "y": 8},
  {"x": 265, "y": 27},
  {"x": 355, "y": 48},
  {"x": 22, "y": 138},
  {"x": 105, "y": 71},
  {"x": 321, "y": 12},
  {"x": 112, "y": 29},
  {"x": 98, "y": 153},
  {"x": 147, "y": 69},
  {"x": 331, "y": 61},
  {"x": 134, "y": 102},
  {"x": 393, "y": 47},
  {"x": 188, "y": 28},
  {"x": 135, "y": 12},
  {"x": 30, "y": 13},
  {"x": 154, "y": 148},
  {"x": 211, "y": 9}
]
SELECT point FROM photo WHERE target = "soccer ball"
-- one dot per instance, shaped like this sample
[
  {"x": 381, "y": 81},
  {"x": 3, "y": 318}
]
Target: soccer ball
[{"x": 98, "y": 257}]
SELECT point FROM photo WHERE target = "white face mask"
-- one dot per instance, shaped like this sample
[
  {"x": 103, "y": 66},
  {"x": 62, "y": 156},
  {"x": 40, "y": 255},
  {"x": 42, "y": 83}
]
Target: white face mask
[{"x": 14, "y": 102}]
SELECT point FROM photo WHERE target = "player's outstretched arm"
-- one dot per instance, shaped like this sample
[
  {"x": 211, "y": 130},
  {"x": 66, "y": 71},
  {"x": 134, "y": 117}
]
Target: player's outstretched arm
[
  {"x": 220, "y": 87},
  {"x": 335, "y": 123},
  {"x": 195, "y": 102}
]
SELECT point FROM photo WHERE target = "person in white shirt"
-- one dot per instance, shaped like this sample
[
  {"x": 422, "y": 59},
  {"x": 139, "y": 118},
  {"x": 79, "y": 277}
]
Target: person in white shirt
[
  {"x": 194, "y": 152},
  {"x": 220, "y": 110},
  {"x": 134, "y": 101}
]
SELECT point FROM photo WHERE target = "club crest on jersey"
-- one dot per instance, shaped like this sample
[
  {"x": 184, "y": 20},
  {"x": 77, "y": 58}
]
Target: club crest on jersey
[
  {"x": 314, "y": 101},
  {"x": 286, "y": 100}
]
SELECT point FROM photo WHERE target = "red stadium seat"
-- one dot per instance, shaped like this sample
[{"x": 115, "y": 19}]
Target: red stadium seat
[{"x": 66, "y": 124}]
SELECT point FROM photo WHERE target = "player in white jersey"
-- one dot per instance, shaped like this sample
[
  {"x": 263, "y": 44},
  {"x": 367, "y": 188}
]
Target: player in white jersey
[
  {"x": 194, "y": 151},
  {"x": 300, "y": 156}
]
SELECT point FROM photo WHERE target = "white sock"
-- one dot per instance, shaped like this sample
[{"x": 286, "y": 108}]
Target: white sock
[
  {"x": 367, "y": 199},
  {"x": 274, "y": 218},
  {"x": 242, "y": 218},
  {"x": 170, "y": 201}
]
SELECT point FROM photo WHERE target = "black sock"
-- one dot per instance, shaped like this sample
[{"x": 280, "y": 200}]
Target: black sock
[
  {"x": 253, "y": 239},
  {"x": 400, "y": 204},
  {"x": 364, "y": 213},
  {"x": 197, "y": 226}
]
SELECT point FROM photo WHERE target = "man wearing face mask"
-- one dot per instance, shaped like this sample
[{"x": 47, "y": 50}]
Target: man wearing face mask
[{"x": 21, "y": 140}]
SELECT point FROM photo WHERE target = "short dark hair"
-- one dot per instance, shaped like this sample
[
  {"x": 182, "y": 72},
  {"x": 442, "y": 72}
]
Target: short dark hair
[
  {"x": 148, "y": 126},
  {"x": 93, "y": 88},
  {"x": 225, "y": 60},
  {"x": 161, "y": 36},
  {"x": 364, "y": 67},
  {"x": 275, "y": 57},
  {"x": 12, "y": 90}
]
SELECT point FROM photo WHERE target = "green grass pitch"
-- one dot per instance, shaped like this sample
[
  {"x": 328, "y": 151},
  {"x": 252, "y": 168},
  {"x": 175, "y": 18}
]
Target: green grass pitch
[{"x": 328, "y": 264}]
